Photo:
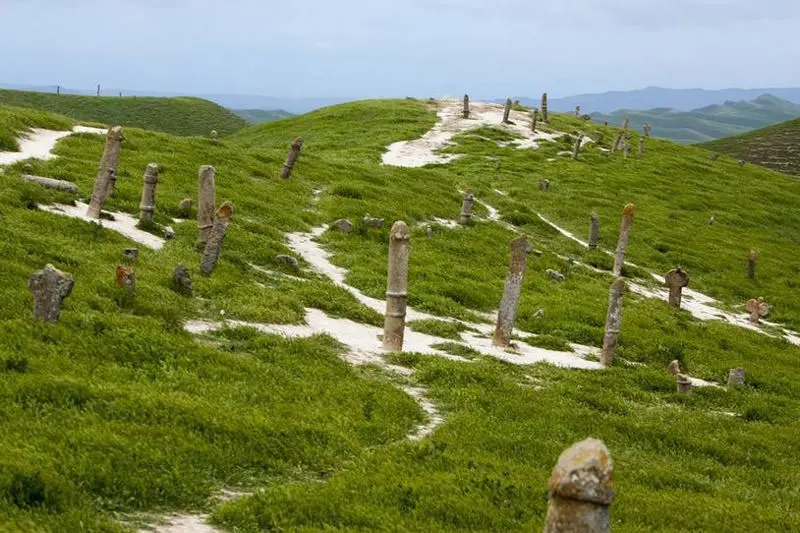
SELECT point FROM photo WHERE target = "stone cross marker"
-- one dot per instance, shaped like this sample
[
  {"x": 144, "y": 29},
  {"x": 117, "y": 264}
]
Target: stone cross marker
[
  {"x": 466, "y": 207},
  {"x": 736, "y": 378},
  {"x": 465, "y": 110},
  {"x": 534, "y": 119},
  {"x": 594, "y": 231},
  {"x": 758, "y": 309},
  {"x": 647, "y": 129},
  {"x": 676, "y": 280},
  {"x": 751, "y": 264},
  {"x": 581, "y": 490},
  {"x": 206, "y": 201},
  {"x": 49, "y": 287},
  {"x": 576, "y": 146},
  {"x": 622, "y": 243},
  {"x": 506, "y": 316},
  {"x": 148, "y": 205},
  {"x": 394, "y": 322},
  {"x": 506, "y": 111},
  {"x": 291, "y": 158},
  {"x": 544, "y": 107},
  {"x": 214, "y": 244},
  {"x": 641, "y": 146},
  {"x": 107, "y": 172}
]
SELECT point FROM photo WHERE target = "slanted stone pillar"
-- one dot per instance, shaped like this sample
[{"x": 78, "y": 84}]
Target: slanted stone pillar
[
  {"x": 625, "y": 123},
  {"x": 616, "y": 143},
  {"x": 641, "y": 146},
  {"x": 751, "y": 264},
  {"x": 465, "y": 111},
  {"x": 206, "y": 202},
  {"x": 576, "y": 146},
  {"x": 466, "y": 207},
  {"x": 676, "y": 280},
  {"x": 107, "y": 172},
  {"x": 684, "y": 384},
  {"x": 291, "y": 158},
  {"x": 506, "y": 111},
  {"x": 622, "y": 243},
  {"x": 148, "y": 205},
  {"x": 594, "y": 231},
  {"x": 50, "y": 183},
  {"x": 627, "y": 150},
  {"x": 581, "y": 490},
  {"x": 577, "y": 111},
  {"x": 214, "y": 244},
  {"x": 394, "y": 323},
  {"x": 544, "y": 107},
  {"x": 49, "y": 287},
  {"x": 534, "y": 119},
  {"x": 613, "y": 321},
  {"x": 506, "y": 316},
  {"x": 736, "y": 378}
]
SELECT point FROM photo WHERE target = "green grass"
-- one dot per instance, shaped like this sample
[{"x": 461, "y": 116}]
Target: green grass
[
  {"x": 773, "y": 147},
  {"x": 116, "y": 410},
  {"x": 257, "y": 116},
  {"x": 15, "y": 121},
  {"x": 178, "y": 116}
]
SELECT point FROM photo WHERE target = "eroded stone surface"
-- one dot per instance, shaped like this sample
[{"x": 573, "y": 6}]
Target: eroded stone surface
[{"x": 50, "y": 287}]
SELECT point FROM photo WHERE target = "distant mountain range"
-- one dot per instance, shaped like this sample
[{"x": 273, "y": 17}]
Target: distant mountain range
[
  {"x": 257, "y": 116},
  {"x": 707, "y": 123}
]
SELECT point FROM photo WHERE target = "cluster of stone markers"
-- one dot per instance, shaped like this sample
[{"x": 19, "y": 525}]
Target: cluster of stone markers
[{"x": 50, "y": 286}]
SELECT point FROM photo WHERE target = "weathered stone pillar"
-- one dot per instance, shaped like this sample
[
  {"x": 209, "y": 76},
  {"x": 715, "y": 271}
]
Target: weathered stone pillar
[
  {"x": 647, "y": 129},
  {"x": 534, "y": 119},
  {"x": 466, "y": 207},
  {"x": 49, "y": 287},
  {"x": 206, "y": 201},
  {"x": 215, "y": 237},
  {"x": 107, "y": 172},
  {"x": 544, "y": 185},
  {"x": 676, "y": 280},
  {"x": 617, "y": 141},
  {"x": 50, "y": 183},
  {"x": 465, "y": 111},
  {"x": 291, "y": 158},
  {"x": 581, "y": 490},
  {"x": 751, "y": 264},
  {"x": 506, "y": 316},
  {"x": 544, "y": 107},
  {"x": 577, "y": 111},
  {"x": 613, "y": 321},
  {"x": 674, "y": 368},
  {"x": 394, "y": 323},
  {"x": 506, "y": 111},
  {"x": 148, "y": 205},
  {"x": 736, "y": 378},
  {"x": 641, "y": 146},
  {"x": 627, "y": 150},
  {"x": 622, "y": 243},
  {"x": 576, "y": 146},
  {"x": 625, "y": 123},
  {"x": 181, "y": 282},
  {"x": 684, "y": 384},
  {"x": 594, "y": 231},
  {"x": 126, "y": 279}
]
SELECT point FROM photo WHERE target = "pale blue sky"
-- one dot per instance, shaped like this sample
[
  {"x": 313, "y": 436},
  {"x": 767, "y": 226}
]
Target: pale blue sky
[{"x": 362, "y": 48}]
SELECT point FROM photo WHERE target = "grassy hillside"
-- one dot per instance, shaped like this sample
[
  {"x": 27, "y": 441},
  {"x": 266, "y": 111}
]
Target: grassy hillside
[
  {"x": 707, "y": 123},
  {"x": 178, "y": 116},
  {"x": 259, "y": 116},
  {"x": 117, "y": 410},
  {"x": 773, "y": 147}
]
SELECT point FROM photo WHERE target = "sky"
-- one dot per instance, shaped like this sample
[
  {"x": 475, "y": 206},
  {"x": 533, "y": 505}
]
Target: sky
[{"x": 388, "y": 48}]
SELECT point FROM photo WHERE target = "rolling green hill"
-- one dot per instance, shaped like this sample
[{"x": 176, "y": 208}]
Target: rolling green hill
[
  {"x": 707, "y": 123},
  {"x": 773, "y": 147},
  {"x": 178, "y": 116},
  {"x": 118, "y": 410},
  {"x": 259, "y": 116}
]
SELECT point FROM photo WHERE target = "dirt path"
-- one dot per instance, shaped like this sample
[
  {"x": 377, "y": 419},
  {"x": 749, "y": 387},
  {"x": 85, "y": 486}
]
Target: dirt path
[{"x": 39, "y": 144}]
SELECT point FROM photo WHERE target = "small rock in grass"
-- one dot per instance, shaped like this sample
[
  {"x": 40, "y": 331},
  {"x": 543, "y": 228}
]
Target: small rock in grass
[
  {"x": 130, "y": 254},
  {"x": 169, "y": 233},
  {"x": 429, "y": 230},
  {"x": 287, "y": 260},
  {"x": 343, "y": 225},
  {"x": 373, "y": 222},
  {"x": 539, "y": 314},
  {"x": 181, "y": 282},
  {"x": 555, "y": 275},
  {"x": 185, "y": 208}
]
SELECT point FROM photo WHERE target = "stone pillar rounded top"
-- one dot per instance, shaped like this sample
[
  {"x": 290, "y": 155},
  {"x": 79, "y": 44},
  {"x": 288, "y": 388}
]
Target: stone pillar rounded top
[
  {"x": 116, "y": 132},
  {"x": 297, "y": 143},
  {"x": 151, "y": 173},
  {"x": 628, "y": 210},
  {"x": 399, "y": 231},
  {"x": 584, "y": 472},
  {"x": 677, "y": 277}
]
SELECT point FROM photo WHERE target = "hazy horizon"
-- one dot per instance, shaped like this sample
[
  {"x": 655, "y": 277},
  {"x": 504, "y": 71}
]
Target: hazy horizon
[{"x": 358, "y": 49}]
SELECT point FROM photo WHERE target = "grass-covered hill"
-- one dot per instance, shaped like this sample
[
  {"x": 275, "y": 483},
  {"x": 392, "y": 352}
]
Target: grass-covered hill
[
  {"x": 773, "y": 147},
  {"x": 707, "y": 123},
  {"x": 178, "y": 116},
  {"x": 117, "y": 410},
  {"x": 259, "y": 116}
]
